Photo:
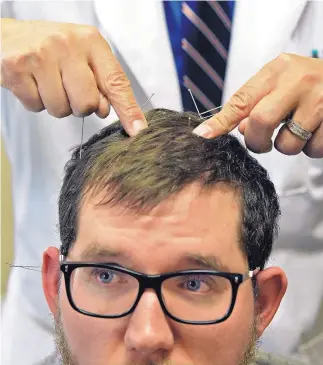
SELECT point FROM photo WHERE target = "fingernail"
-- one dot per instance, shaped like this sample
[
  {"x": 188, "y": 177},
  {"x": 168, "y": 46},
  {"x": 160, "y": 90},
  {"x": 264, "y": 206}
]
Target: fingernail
[
  {"x": 203, "y": 130},
  {"x": 138, "y": 125}
]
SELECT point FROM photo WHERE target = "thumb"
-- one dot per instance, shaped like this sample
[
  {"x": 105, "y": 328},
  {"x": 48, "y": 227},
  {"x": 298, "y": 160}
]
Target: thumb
[
  {"x": 226, "y": 120},
  {"x": 237, "y": 108}
]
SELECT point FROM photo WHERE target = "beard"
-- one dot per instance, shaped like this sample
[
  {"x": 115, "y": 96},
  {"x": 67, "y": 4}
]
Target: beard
[
  {"x": 63, "y": 352},
  {"x": 65, "y": 356}
]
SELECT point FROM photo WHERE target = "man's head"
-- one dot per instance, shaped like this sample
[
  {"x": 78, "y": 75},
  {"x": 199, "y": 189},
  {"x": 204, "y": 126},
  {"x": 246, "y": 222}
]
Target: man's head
[{"x": 165, "y": 201}]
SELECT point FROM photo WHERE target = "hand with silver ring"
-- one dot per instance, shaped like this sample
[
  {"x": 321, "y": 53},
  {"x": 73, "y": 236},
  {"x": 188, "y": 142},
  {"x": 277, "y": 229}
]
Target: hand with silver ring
[
  {"x": 289, "y": 87},
  {"x": 298, "y": 130}
]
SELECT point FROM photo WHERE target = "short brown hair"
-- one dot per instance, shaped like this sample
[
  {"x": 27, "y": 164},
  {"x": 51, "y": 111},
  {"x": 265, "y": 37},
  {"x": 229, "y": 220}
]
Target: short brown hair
[{"x": 161, "y": 160}]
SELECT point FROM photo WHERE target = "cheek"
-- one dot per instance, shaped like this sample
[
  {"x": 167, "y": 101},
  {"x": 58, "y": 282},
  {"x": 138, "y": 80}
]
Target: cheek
[
  {"x": 89, "y": 339},
  {"x": 226, "y": 341},
  {"x": 77, "y": 328}
]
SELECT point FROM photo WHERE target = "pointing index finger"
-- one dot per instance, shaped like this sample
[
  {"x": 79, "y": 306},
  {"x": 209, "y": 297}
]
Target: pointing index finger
[
  {"x": 115, "y": 85},
  {"x": 237, "y": 108}
]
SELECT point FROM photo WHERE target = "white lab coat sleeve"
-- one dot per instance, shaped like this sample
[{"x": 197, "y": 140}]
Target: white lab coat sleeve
[{"x": 6, "y": 12}]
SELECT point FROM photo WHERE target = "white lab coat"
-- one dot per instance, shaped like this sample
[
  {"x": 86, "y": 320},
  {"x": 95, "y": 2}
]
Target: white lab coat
[{"x": 38, "y": 147}]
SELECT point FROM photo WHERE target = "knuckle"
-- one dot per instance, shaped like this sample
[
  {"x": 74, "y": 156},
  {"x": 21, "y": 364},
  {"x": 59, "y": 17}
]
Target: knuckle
[
  {"x": 87, "y": 108},
  {"x": 32, "y": 105},
  {"x": 130, "y": 111},
  {"x": 241, "y": 101},
  {"x": 61, "y": 39},
  {"x": 73, "y": 33},
  {"x": 38, "y": 108},
  {"x": 25, "y": 61},
  {"x": 12, "y": 67},
  {"x": 103, "y": 112},
  {"x": 284, "y": 59},
  {"x": 8, "y": 64},
  {"x": 60, "y": 113},
  {"x": 280, "y": 64},
  {"x": 258, "y": 148},
  {"x": 309, "y": 78},
  {"x": 81, "y": 36},
  {"x": 289, "y": 150},
  {"x": 117, "y": 80},
  {"x": 55, "y": 47},
  {"x": 90, "y": 32},
  {"x": 104, "y": 108},
  {"x": 260, "y": 118},
  {"x": 36, "y": 58},
  {"x": 10, "y": 80}
]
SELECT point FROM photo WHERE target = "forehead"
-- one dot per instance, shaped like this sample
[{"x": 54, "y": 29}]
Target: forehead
[{"x": 202, "y": 222}]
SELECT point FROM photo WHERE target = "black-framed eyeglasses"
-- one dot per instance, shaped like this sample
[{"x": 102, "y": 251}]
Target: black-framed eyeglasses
[{"x": 191, "y": 296}]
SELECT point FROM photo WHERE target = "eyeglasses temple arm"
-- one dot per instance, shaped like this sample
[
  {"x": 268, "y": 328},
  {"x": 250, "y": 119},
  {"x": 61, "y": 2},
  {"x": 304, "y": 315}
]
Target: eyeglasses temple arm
[{"x": 251, "y": 273}]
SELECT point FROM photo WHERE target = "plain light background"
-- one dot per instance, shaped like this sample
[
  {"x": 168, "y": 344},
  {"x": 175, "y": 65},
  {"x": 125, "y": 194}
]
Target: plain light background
[{"x": 6, "y": 220}]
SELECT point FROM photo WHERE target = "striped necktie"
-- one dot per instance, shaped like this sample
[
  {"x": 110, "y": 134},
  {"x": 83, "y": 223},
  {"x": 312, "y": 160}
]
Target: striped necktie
[{"x": 199, "y": 32}]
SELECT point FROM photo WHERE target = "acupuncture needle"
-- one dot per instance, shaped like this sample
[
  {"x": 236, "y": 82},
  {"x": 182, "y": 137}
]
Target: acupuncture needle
[
  {"x": 81, "y": 147},
  {"x": 197, "y": 109}
]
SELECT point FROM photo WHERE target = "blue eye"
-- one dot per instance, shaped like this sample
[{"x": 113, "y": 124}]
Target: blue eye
[
  {"x": 193, "y": 285},
  {"x": 104, "y": 277}
]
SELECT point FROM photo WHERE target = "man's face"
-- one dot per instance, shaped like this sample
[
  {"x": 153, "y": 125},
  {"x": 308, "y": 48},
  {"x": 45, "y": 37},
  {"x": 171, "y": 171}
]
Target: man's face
[{"x": 164, "y": 240}]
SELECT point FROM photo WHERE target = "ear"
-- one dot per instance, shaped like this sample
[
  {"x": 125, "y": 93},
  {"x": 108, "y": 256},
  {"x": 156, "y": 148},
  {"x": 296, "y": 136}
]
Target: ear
[
  {"x": 272, "y": 285},
  {"x": 50, "y": 276}
]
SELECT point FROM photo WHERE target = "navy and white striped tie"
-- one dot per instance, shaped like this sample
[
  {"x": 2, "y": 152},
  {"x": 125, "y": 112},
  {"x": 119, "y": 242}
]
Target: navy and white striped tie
[{"x": 200, "y": 36}]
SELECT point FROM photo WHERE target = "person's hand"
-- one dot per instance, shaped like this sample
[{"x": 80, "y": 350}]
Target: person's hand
[
  {"x": 66, "y": 69},
  {"x": 288, "y": 84}
]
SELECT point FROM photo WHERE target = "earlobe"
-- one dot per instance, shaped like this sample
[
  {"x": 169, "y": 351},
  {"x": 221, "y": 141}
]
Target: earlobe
[
  {"x": 50, "y": 277},
  {"x": 272, "y": 285}
]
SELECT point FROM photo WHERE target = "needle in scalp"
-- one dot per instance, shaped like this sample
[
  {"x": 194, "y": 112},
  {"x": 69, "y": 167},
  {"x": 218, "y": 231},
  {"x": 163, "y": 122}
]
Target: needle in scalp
[
  {"x": 82, "y": 134},
  {"x": 147, "y": 100}
]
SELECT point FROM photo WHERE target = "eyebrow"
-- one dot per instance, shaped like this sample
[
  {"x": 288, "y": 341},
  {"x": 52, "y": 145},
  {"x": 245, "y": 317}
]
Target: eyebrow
[
  {"x": 208, "y": 262},
  {"x": 95, "y": 252}
]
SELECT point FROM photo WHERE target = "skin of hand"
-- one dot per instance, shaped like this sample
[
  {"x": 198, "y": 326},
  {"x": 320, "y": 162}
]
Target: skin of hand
[
  {"x": 288, "y": 84},
  {"x": 66, "y": 69}
]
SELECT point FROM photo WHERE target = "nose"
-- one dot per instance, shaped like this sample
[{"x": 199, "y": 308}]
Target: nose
[{"x": 149, "y": 335}]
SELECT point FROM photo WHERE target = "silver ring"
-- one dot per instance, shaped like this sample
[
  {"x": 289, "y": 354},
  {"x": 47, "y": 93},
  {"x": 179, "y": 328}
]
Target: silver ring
[{"x": 299, "y": 131}]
